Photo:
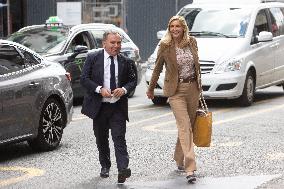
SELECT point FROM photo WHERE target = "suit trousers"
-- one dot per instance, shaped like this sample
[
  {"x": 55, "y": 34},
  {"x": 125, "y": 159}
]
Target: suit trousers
[
  {"x": 111, "y": 117},
  {"x": 184, "y": 105}
]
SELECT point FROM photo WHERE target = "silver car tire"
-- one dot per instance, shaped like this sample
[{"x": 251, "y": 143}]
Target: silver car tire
[
  {"x": 247, "y": 97},
  {"x": 51, "y": 124}
]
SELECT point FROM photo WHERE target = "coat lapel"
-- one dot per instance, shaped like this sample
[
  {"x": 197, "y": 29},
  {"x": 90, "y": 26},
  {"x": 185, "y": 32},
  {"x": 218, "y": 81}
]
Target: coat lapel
[
  {"x": 100, "y": 68},
  {"x": 172, "y": 53},
  {"x": 120, "y": 68}
]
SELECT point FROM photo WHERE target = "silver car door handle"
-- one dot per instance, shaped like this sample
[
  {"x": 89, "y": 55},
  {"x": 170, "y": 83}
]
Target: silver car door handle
[{"x": 33, "y": 84}]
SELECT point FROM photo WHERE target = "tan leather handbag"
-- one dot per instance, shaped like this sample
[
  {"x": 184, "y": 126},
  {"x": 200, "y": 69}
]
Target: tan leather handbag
[{"x": 202, "y": 129}]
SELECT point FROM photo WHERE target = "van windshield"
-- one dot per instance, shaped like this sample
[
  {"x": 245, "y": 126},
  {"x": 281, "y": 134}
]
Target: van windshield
[
  {"x": 225, "y": 22},
  {"x": 42, "y": 40}
]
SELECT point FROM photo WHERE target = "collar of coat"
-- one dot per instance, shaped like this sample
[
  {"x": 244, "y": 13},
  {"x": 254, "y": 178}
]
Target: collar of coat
[{"x": 191, "y": 42}]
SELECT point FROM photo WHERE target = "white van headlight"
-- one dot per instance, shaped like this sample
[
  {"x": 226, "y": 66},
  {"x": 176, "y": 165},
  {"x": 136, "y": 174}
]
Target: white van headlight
[
  {"x": 151, "y": 63},
  {"x": 229, "y": 65}
]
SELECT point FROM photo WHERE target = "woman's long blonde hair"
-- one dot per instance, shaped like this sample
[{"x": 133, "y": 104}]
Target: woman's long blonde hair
[{"x": 167, "y": 39}]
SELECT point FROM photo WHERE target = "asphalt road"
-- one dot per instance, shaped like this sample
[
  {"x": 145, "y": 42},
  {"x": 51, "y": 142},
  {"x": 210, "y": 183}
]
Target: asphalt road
[{"x": 247, "y": 150}]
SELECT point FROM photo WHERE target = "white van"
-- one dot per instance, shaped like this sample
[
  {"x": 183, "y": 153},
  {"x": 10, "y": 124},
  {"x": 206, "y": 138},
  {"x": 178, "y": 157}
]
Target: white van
[{"x": 241, "y": 48}]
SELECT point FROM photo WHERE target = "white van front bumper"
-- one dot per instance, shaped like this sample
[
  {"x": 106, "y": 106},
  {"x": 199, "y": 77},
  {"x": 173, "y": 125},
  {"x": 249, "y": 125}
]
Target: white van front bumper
[
  {"x": 227, "y": 85},
  {"x": 224, "y": 86}
]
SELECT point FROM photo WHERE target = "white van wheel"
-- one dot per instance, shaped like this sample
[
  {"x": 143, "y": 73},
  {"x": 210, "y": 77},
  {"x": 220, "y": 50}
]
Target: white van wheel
[{"x": 247, "y": 97}]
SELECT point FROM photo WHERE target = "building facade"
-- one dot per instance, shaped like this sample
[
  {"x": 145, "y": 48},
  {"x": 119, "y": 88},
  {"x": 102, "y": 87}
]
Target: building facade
[{"x": 141, "y": 19}]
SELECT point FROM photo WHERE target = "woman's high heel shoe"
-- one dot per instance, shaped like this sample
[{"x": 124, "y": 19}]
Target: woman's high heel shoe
[{"x": 191, "y": 178}]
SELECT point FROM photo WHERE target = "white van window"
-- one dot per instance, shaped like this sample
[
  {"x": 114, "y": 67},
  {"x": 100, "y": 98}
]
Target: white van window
[
  {"x": 277, "y": 21},
  {"x": 261, "y": 22},
  {"x": 223, "y": 22}
]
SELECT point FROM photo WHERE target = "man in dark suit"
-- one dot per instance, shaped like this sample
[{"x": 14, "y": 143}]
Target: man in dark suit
[{"x": 108, "y": 78}]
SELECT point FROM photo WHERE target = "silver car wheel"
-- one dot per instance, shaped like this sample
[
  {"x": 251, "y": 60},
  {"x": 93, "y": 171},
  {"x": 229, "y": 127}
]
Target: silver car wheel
[
  {"x": 52, "y": 123},
  {"x": 250, "y": 88}
]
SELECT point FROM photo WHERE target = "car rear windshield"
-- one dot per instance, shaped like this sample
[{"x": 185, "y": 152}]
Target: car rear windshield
[{"x": 42, "y": 40}]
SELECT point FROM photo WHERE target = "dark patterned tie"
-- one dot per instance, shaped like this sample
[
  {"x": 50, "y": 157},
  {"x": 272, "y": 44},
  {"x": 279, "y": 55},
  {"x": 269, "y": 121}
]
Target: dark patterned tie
[{"x": 112, "y": 74}]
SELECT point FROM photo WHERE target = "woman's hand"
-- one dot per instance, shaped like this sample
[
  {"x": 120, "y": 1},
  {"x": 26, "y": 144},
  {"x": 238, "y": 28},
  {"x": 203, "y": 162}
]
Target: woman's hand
[{"x": 150, "y": 94}]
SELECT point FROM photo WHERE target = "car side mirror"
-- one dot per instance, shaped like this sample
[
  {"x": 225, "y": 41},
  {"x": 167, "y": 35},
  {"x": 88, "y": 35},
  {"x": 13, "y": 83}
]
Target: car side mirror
[
  {"x": 161, "y": 34},
  {"x": 79, "y": 49},
  {"x": 265, "y": 36}
]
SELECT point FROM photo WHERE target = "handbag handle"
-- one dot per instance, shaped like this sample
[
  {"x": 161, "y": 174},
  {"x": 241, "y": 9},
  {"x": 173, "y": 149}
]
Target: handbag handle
[
  {"x": 201, "y": 97},
  {"x": 203, "y": 103}
]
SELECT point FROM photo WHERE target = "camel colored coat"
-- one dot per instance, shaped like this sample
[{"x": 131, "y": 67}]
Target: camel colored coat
[{"x": 167, "y": 55}]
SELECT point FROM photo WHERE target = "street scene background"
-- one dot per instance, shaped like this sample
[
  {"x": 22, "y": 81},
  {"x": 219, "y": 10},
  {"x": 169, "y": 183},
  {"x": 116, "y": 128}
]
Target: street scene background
[
  {"x": 246, "y": 152},
  {"x": 247, "y": 149}
]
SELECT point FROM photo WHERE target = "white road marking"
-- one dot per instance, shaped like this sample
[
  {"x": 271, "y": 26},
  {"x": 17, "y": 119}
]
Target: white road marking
[
  {"x": 130, "y": 111},
  {"x": 276, "y": 156},
  {"x": 136, "y": 105},
  {"x": 156, "y": 127},
  {"x": 149, "y": 119}
]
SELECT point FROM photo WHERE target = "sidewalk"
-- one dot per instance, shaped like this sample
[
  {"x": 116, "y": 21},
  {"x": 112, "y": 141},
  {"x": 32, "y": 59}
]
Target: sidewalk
[{"x": 237, "y": 182}]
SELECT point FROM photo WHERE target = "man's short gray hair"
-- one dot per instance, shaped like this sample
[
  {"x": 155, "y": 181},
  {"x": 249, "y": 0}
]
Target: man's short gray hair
[{"x": 107, "y": 32}]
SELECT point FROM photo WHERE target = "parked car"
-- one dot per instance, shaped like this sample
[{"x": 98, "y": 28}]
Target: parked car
[
  {"x": 240, "y": 48},
  {"x": 36, "y": 98},
  {"x": 56, "y": 42}
]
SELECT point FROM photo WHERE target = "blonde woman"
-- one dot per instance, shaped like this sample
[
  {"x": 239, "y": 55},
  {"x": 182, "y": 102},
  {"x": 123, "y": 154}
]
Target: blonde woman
[{"x": 178, "y": 52}]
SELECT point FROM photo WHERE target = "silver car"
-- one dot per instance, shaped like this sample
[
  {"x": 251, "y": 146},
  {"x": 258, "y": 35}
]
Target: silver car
[
  {"x": 36, "y": 98},
  {"x": 57, "y": 42}
]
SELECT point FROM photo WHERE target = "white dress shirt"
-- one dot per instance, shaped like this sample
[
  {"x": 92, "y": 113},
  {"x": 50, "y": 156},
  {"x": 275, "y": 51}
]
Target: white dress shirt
[{"x": 106, "y": 84}]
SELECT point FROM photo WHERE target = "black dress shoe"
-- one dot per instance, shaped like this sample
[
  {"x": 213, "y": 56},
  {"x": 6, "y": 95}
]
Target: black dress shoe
[
  {"x": 191, "y": 178},
  {"x": 123, "y": 175},
  {"x": 104, "y": 172}
]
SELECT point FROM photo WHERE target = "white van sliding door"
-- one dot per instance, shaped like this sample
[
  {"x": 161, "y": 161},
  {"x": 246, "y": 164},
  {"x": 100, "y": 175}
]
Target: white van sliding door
[{"x": 277, "y": 27}]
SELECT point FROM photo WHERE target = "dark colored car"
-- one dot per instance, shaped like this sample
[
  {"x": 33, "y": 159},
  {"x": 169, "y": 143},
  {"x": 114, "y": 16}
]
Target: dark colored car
[
  {"x": 36, "y": 98},
  {"x": 57, "y": 43}
]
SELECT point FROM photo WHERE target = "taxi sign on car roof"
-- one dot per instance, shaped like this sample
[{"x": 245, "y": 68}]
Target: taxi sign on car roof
[{"x": 53, "y": 21}]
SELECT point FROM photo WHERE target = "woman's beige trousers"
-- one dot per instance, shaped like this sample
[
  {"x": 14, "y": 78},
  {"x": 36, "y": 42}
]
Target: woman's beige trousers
[{"x": 184, "y": 105}]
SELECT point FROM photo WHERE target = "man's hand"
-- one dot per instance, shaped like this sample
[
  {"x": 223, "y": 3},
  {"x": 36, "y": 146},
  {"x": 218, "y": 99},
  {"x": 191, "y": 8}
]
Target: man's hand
[
  {"x": 150, "y": 94},
  {"x": 105, "y": 93},
  {"x": 118, "y": 92}
]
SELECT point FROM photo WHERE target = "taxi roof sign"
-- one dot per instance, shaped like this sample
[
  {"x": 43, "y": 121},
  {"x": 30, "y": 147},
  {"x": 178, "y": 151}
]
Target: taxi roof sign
[{"x": 53, "y": 21}]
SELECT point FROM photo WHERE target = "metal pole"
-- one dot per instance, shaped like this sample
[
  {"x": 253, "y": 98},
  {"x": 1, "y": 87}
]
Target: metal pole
[
  {"x": 124, "y": 15},
  {"x": 176, "y": 6},
  {"x": 9, "y": 29}
]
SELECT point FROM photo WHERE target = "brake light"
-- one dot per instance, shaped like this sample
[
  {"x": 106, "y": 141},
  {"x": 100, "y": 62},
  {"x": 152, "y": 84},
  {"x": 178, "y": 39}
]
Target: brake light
[{"x": 68, "y": 76}]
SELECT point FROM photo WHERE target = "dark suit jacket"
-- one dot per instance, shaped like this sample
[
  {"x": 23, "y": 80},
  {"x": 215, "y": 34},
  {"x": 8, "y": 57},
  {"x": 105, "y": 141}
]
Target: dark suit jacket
[{"x": 93, "y": 76}]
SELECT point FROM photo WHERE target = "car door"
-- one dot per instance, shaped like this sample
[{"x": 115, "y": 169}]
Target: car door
[
  {"x": 264, "y": 52},
  {"x": 17, "y": 93},
  {"x": 277, "y": 27},
  {"x": 75, "y": 66}
]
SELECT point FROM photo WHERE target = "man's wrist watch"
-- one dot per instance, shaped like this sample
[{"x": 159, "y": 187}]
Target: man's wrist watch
[{"x": 100, "y": 91}]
